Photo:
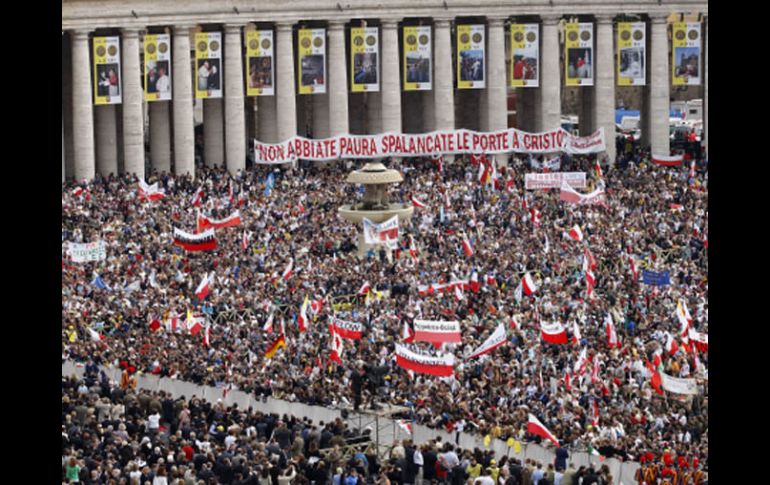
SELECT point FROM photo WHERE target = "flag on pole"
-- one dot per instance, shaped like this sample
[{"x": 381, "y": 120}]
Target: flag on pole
[
  {"x": 590, "y": 283},
  {"x": 246, "y": 240},
  {"x": 408, "y": 334},
  {"x": 364, "y": 289},
  {"x": 528, "y": 284},
  {"x": 197, "y": 196},
  {"x": 576, "y": 234},
  {"x": 337, "y": 347},
  {"x": 576, "y": 335},
  {"x": 203, "y": 288},
  {"x": 278, "y": 344},
  {"x": 289, "y": 270},
  {"x": 553, "y": 333},
  {"x": 467, "y": 248},
  {"x": 302, "y": 318},
  {"x": 405, "y": 425},
  {"x": 495, "y": 340},
  {"x": 418, "y": 204},
  {"x": 671, "y": 346},
  {"x": 268, "y": 328},
  {"x": 535, "y": 427},
  {"x": 612, "y": 337}
]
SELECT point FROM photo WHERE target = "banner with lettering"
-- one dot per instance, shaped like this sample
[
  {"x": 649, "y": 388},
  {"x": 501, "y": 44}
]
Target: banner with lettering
[
  {"x": 437, "y": 331},
  {"x": 418, "y": 55},
  {"x": 364, "y": 59},
  {"x": 311, "y": 57},
  {"x": 471, "y": 58},
  {"x": 525, "y": 52},
  {"x": 553, "y": 180},
  {"x": 107, "y": 82},
  {"x": 259, "y": 63},
  {"x": 85, "y": 252},
  {"x": 631, "y": 54},
  {"x": 208, "y": 65},
  {"x": 579, "y": 54},
  {"x": 678, "y": 385},
  {"x": 656, "y": 278},
  {"x": 685, "y": 50},
  {"x": 427, "y": 144},
  {"x": 157, "y": 67}
]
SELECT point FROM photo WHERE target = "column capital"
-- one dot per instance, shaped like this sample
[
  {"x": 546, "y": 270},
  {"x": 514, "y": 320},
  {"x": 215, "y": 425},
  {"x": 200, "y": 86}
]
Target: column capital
[
  {"x": 658, "y": 17},
  {"x": 337, "y": 24},
  {"x": 443, "y": 21},
  {"x": 389, "y": 23},
  {"x": 182, "y": 29},
  {"x": 234, "y": 28},
  {"x": 284, "y": 25},
  {"x": 130, "y": 32},
  {"x": 80, "y": 34},
  {"x": 551, "y": 19},
  {"x": 604, "y": 18},
  {"x": 496, "y": 21}
]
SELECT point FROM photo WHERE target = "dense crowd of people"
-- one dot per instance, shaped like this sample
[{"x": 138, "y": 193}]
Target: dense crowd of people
[{"x": 146, "y": 279}]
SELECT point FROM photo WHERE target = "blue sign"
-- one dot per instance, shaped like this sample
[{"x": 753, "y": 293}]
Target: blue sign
[{"x": 656, "y": 279}]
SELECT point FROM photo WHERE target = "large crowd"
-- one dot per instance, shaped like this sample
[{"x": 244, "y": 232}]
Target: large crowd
[{"x": 148, "y": 279}]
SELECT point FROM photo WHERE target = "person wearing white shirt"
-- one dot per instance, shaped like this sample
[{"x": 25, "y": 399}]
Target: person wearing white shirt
[
  {"x": 162, "y": 84},
  {"x": 419, "y": 462},
  {"x": 153, "y": 421}
]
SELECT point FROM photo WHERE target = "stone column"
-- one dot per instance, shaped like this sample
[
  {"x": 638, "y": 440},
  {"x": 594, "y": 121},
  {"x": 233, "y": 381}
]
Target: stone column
[
  {"x": 496, "y": 92},
  {"x": 391, "y": 83},
  {"x": 604, "y": 99},
  {"x": 82, "y": 107},
  {"x": 184, "y": 135},
  {"x": 213, "y": 133},
  {"x": 235, "y": 120},
  {"x": 659, "y": 86},
  {"x": 160, "y": 136},
  {"x": 317, "y": 105},
  {"x": 268, "y": 131},
  {"x": 704, "y": 135},
  {"x": 338, "y": 80},
  {"x": 133, "y": 120},
  {"x": 550, "y": 78},
  {"x": 443, "y": 95},
  {"x": 106, "y": 140},
  {"x": 286, "y": 108}
]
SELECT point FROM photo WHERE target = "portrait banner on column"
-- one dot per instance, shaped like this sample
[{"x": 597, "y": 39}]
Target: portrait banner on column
[
  {"x": 208, "y": 65},
  {"x": 631, "y": 54},
  {"x": 157, "y": 67},
  {"x": 579, "y": 54},
  {"x": 107, "y": 82},
  {"x": 525, "y": 53},
  {"x": 685, "y": 49},
  {"x": 364, "y": 59},
  {"x": 259, "y": 63},
  {"x": 311, "y": 54},
  {"x": 471, "y": 57},
  {"x": 418, "y": 55}
]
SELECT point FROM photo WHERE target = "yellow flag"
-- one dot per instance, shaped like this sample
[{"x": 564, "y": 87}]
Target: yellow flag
[
  {"x": 516, "y": 447},
  {"x": 73, "y": 336},
  {"x": 487, "y": 440},
  {"x": 509, "y": 442}
]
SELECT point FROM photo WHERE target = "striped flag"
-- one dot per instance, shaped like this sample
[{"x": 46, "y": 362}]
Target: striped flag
[{"x": 278, "y": 344}]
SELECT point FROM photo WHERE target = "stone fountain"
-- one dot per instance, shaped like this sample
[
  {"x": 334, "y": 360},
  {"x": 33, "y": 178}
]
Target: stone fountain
[{"x": 375, "y": 206}]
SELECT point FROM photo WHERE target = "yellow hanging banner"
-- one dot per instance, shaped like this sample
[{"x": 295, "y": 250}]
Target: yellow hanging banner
[
  {"x": 157, "y": 67},
  {"x": 208, "y": 65},
  {"x": 259, "y": 63},
  {"x": 685, "y": 50},
  {"x": 311, "y": 60},
  {"x": 631, "y": 54},
  {"x": 470, "y": 57},
  {"x": 417, "y": 69},
  {"x": 579, "y": 54},
  {"x": 525, "y": 55},
  {"x": 107, "y": 85},
  {"x": 364, "y": 59}
]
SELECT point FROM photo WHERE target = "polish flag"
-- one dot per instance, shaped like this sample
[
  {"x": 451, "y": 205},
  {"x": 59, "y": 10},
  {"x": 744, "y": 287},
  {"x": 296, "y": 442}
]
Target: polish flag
[
  {"x": 575, "y": 233},
  {"x": 337, "y": 347},
  {"x": 246, "y": 240},
  {"x": 528, "y": 284},
  {"x": 268, "y": 328},
  {"x": 589, "y": 261},
  {"x": 408, "y": 334},
  {"x": 598, "y": 169},
  {"x": 634, "y": 268},
  {"x": 316, "y": 306},
  {"x": 467, "y": 248},
  {"x": 581, "y": 363},
  {"x": 207, "y": 335},
  {"x": 590, "y": 283},
  {"x": 567, "y": 382},
  {"x": 302, "y": 318},
  {"x": 458, "y": 293},
  {"x": 576, "y": 335},
  {"x": 289, "y": 270},
  {"x": 417, "y": 203},
  {"x": 612, "y": 337},
  {"x": 475, "y": 281},
  {"x": 405, "y": 425},
  {"x": 195, "y": 323},
  {"x": 671, "y": 346},
  {"x": 509, "y": 185},
  {"x": 553, "y": 333},
  {"x": 412, "y": 248},
  {"x": 232, "y": 220},
  {"x": 203, "y": 288},
  {"x": 197, "y": 196},
  {"x": 534, "y": 216},
  {"x": 595, "y": 370},
  {"x": 668, "y": 161},
  {"x": 513, "y": 324},
  {"x": 699, "y": 340},
  {"x": 95, "y": 335},
  {"x": 173, "y": 323},
  {"x": 77, "y": 191},
  {"x": 149, "y": 192},
  {"x": 535, "y": 427},
  {"x": 364, "y": 289},
  {"x": 683, "y": 314},
  {"x": 477, "y": 159}
]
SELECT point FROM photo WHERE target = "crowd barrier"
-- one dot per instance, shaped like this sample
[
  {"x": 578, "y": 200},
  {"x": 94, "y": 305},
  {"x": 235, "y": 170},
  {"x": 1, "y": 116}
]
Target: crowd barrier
[{"x": 621, "y": 471}]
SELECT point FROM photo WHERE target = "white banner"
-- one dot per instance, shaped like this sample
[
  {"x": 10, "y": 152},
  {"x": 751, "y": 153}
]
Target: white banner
[
  {"x": 437, "y": 331},
  {"x": 384, "y": 233},
  {"x": 426, "y": 144},
  {"x": 495, "y": 340},
  {"x": 553, "y": 180},
  {"x": 677, "y": 385},
  {"x": 83, "y": 253}
]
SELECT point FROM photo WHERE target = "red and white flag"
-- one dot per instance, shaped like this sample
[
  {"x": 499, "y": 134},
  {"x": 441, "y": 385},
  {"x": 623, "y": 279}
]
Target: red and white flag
[
  {"x": 634, "y": 268},
  {"x": 268, "y": 328},
  {"x": 668, "y": 161},
  {"x": 442, "y": 366},
  {"x": 405, "y": 425},
  {"x": 207, "y": 335},
  {"x": 197, "y": 197},
  {"x": 302, "y": 318},
  {"x": 95, "y": 336},
  {"x": 513, "y": 324},
  {"x": 77, "y": 191},
  {"x": 246, "y": 240},
  {"x": 567, "y": 383},
  {"x": 417, "y": 203},
  {"x": 553, "y": 333},
  {"x": 458, "y": 293},
  {"x": 474, "y": 281},
  {"x": 467, "y": 248},
  {"x": 203, "y": 288},
  {"x": 528, "y": 284},
  {"x": 346, "y": 329},
  {"x": 412, "y": 248},
  {"x": 438, "y": 159},
  {"x": 365, "y": 288},
  {"x": 149, "y": 192},
  {"x": 477, "y": 159},
  {"x": 437, "y": 331},
  {"x": 683, "y": 315},
  {"x": 572, "y": 196},
  {"x": 195, "y": 323},
  {"x": 590, "y": 283},
  {"x": 337, "y": 347},
  {"x": 316, "y": 306},
  {"x": 205, "y": 241},
  {"x": 581, "y": 363},
  {"x": 598, "y": 169},
  {"x": 491, "y": 343},
  {"x": 589, "y": 261},
  {"x": 174, "y": 323},
  {"x": 233, "y": 219},
  {"x": 595, "y": 370},
  {"x": 408, "y": 334},
  {"x": 609, "y": 326},
  {"x": 699, "y": 340},
  {"x": 288, "y": 271},
  {"x": 535, "y": 427},
  {"x": 576, "y": 234},
  {"x": 671, "y": 346},
  {"x": 576, "y": 335},
  {"x": 534, "y": 216}
]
